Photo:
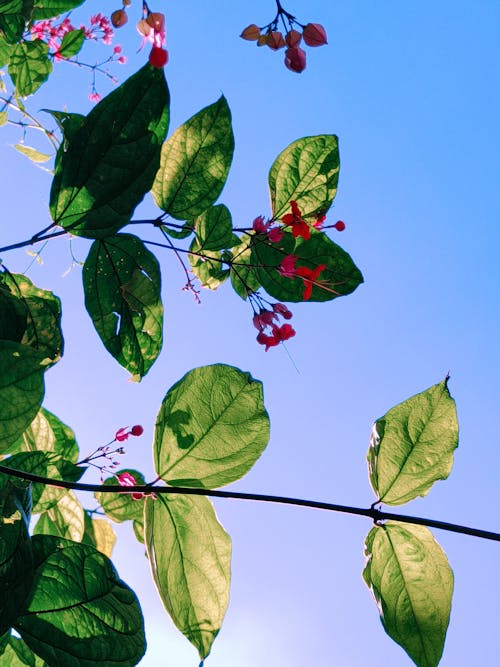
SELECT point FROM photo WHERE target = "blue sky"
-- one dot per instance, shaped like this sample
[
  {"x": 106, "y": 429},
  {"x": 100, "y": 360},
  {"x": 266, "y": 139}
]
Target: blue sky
[{"x": 411, "y": 89}]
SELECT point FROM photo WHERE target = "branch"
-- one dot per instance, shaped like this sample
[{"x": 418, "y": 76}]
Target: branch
[{"x": 372, "y": 513}]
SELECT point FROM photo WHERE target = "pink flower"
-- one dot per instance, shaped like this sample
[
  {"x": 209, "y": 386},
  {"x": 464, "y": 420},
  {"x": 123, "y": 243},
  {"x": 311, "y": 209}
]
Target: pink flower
[
  {"x": 117, "y": 49},
  {"x": 295, "y": 59},
  {"x": 287, "y": 266},
  {"x": 263, "y": 319},
  {"x": 126, "y": 479},
  {"x": 260, "y": 226},
  {"x": 275, "y": 234},
  {"x": 282, "y": 310},
  {"x": 122, "y": 434},
  {"x": 122, "y": 60}
]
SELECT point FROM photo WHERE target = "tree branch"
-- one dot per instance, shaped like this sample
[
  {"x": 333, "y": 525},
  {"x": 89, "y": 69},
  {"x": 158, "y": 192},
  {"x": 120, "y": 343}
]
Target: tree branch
[{"x": 371, "y": 512}]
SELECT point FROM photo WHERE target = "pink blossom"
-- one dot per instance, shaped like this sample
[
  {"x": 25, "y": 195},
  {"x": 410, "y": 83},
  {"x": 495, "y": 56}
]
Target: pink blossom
[{"x": 287, "y": 266}]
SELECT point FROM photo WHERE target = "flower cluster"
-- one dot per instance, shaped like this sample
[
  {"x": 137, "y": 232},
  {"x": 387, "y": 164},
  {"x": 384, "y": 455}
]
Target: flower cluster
[
  {"x": 103, "y": 459},
  {"x": 309, "y": 277},
  {"x": 266, "y": 321},
  {"x": 53, "y": 30},
  {"x": 123, "y": 433},
  {"x": 313, "y": 34}
]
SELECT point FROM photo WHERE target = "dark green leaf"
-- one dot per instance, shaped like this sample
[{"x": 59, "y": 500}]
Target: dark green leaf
[
  {"x": 21, "y": 390},
  {"x": 412, "y": 583},
  {"x": 121, "y": 507},
  {"x": 243, "y": 275},
  {"x": 209, "y": 269},
  {"x": 68, "y": 123},
  {"x": 47, "y": 9},
  {"x": 412, "y": 446},
  {"x": 71, "y": 43},
  {"x": 13, "y": 315},
  {"x": 211, "y": 428},
  {"x": 5, "y": 51},
  {"x": 122, "y": 284},
  {"x": 65, "y": 519},
  {"x": 195, "y": 163},
  {"x": 16, "y": 566},
  {"x": 339, "y": 277},
  {"x": 181, "y": 233},
  {"x": 29, "y": 66},
  {"x": 17, "y": 654},
  {"x": 190, "y": 557},
  {"x": 43, "y": 315},
  {"x": 214, "y": 228},
  {"x": 99, "y": 534},
  {"x": 110, "y": 161},
  {"x": 14, "y": 14},
  {"x": 85, "y": 618},
  {"x": 307, "y": 172}
]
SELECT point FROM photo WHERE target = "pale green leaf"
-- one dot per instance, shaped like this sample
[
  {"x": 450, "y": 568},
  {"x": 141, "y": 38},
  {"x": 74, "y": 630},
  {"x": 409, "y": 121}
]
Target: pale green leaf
[{"x": 32, "y": 153}]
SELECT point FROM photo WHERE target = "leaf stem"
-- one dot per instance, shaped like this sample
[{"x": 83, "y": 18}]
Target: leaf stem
[{"x": 370, "y": 512}]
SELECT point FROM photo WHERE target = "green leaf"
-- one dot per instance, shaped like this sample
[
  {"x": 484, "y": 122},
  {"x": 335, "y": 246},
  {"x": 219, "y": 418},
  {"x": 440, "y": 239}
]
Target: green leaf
[
  {"x": 66, "y": 519},
  {"x": 49, "y": 434},
  {"x": 14, "y": 14},
  {"x": 21, "y": 390},
  {"x": 339, "y": 277},
  {"x": 13, "y": 316},
  {"x": 85, "y": 618},
  {"x": 195, "y": 163},
  {"x": 47, "y": 9},
  {"x": 211, "y": 428},
  {"x": 43, "y": 315},
  {"x": 243, "y": 275},
  {"x": 32, "y": 153},
  {"x": 209, "y": 268},
  {"x": 67, "y": 122},
  {"x": 17, "y": 654},
  {"x": 412, "y": 583},
  {"x": 71, "y": 43},
  {"x": 190, "y": 557},
  {"x": 307, "y": 172},
  {"x": 121, "y": 506},
  {"x": 99, "y": 534},
  {"x": 214, "y": 228},
  {"x": 412, "y": 446},
  {"x": 5, "y": 51},
  {"x": 29, "y": 66},
  {"x": 110, "y": 161},
  {"x": 16, "y": 564},
  {"x": 122, "y": 284},
  {"x": 181, "y": 233}
]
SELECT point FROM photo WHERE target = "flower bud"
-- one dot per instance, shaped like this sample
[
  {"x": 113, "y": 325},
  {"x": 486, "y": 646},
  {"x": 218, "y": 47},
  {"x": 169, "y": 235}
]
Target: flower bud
[
  {"x": 157, "y": 21},
  {"x": 137, "y": 430},
  {"x": 119, "y": 18},
  {"x": 295, "y": 59},
  {"x": 251, "y": 32},
  {"x": 127, "y": 3},
  {"x": 275, "y": 40},
  {"x": 339, "y": 226},
  {"x": 293, "y": 38},
  {"x": 158, "y": 57},
  {"x": 314, "y": 34}
]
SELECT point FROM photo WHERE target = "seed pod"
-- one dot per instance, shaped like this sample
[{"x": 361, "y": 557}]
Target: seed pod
[
  {"x": 157, "y": 21},
  {"x": 293, "y": 38},
  {"x": 251, "y": 32},
  {"x": 119, "y": 18},
  {"x": 295, "y": 59},
  {"x": 314, "y": 34},
  {"x": 143, "y": 28},
  {"x": 262, "y": 41},
  {"x": 275, "y": 40}
]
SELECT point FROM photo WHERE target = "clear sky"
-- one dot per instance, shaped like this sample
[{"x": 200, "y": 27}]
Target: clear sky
[{"x": 411, "y": 89}]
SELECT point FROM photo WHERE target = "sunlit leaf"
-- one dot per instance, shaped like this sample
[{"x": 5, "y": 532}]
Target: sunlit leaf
[
  {"x": 32, "y": 153},
  {"x": 110, "y": 161},
  {"x": 29, "y": 66},
  {"x": 214, "y": 228},
  {"x": 209, "y": 268},
  {"x": 17, "y": 654},
  {"x": 86, "y": 617},
  {"x": 242, "y": 273},
  {"x": 195, "y": 163},
  {"x": 100, "y": 534},
  {"x": 122, "y": 284},
  {"x": 412, "y": 445},
  {"x": 66, "y": 519},
  {"x": 46, "y": 9},
  {"x": 211, "y": 428},
  {"x": 71, "y": 43},
  {"x": 412, "y": 583},
  {"x": 190, "y": 557},
  {"x": 121, "y": 506},
  {"x": 307, "y": 172}
]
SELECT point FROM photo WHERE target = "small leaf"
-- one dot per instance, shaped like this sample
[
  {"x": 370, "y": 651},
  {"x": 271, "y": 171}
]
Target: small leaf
[
  {"x": 72, "y": 43},
  {"x": 21, "y": 390},
  {"x": 209, "y": 269},
  {"x": 190, "y": 557},
  {"x": 412, "y": 446},
  {"x": 182, "y": 233},
  {"x": 195, "y": 163},
  {"x": 3, "y": 116},
  {"x": 122, "y": 284},
  {"x": 99, "y": 534},
  {"x": 242, "y": 273},
  {"x": 339, "y": 277},
  {"x": 307, "y": 172},
  {"x": 32, "y": 153},
  {"x": 121, "y": 506},
  {"x": 214, "y": 228},
  {"x": 29, "y": 66},
  {"x": 412, "y": 583},
  {"x": 110, "y": 161},
  {"x": 86, "y": 617},
  {"x": 47, "y": 9},
  {"x": 211, "y": 428}
]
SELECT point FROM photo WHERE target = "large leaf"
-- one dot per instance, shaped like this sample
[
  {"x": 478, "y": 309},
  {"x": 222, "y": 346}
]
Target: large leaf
[
  {"x": 412, "y": 583},
  {"x": 195, "y": 163},
  {"x": 214, "y": 229},
  {"x": 211, "y": 428},
  {"x": 80, "y": 613},
  {"x": 14, "y": 14},
  {"x": 100, "y": 534},
  {"x": 16, "y": 564},
  {"x": 43, "y": 316},
  {"x": 17, "y": 654},
  {"x": 190, "y": 557},
  {"x": 209, "y": 267},
  {"x": 412, "y": 445},
  {"x": 339, "y": 277},
  {"x": 65, "y": 519},
  {"x": 242, "y": 273},
  {"x": 29, "y": 66},
  {"x": 122, "y": 284},
  {"x": 121, "y": 506},
  {"x": 49, "y": 434},
  {"x": 21, "y": 390},
  {"x": 110, "y": 161},
  {"x": 13, "y": 315},
  {"x": 46, "y": 9},
  {"x": 307, "y": 172}
]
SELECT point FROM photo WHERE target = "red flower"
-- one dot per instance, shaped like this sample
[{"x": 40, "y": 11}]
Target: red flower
[
  {"x": 263, "y": 319},
  {"x": 136, "y": 430},
  {"x": 281, "y": 309},
  {"x": 309, "y": 278},
  {"x": 158, "y": 57},
  {"x": 275, "y": 234},
  {"x": 296, "y": 222},
  {"x": 280, "y": 334},
  {"x": 287, "y": 266},
  {"x": 339, "y": 226},
  {"x": 259, "y": 225},
  {"x": 318, "y": 223},
  {"x": 122, "y": 434}
]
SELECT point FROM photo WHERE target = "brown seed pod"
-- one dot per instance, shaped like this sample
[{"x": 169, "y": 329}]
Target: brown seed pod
[
  {"x": 119, "y": 18},
  {"x": 251, "y": 32}
]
